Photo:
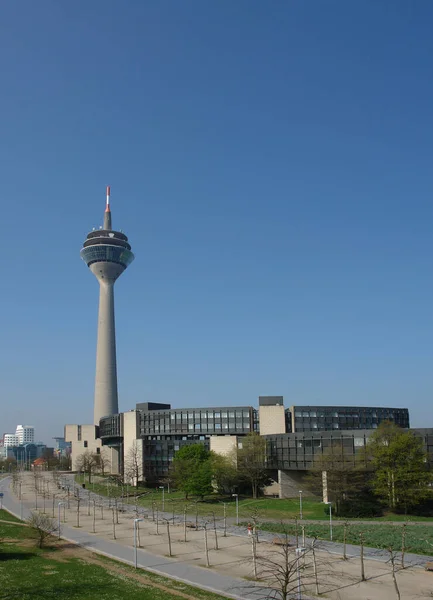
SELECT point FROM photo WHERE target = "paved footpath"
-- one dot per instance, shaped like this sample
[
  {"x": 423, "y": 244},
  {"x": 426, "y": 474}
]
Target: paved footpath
[{"x": 196, "y": 576}]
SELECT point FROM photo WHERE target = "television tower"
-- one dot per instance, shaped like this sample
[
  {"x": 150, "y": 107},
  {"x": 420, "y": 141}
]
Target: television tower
[{"x": 107, "y": 254}]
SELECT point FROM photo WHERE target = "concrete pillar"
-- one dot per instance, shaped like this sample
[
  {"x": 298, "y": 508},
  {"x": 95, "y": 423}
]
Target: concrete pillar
[
  {"x": 325, "y": 486},
  {"x": 114, "y": 461}
]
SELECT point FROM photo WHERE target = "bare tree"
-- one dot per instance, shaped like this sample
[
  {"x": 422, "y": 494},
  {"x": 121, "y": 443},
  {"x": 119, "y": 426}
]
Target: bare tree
[
  {"x": 313, "y": 552},
  {"x": 167, "y": 522},
  {"x": 403, "y": 543},
  {"x": 345, "y": 529},
  {"x": 206, "y": 545},
  {"x": 215, "y": 531},
  {"x": 392, "y": 560},
  {"x": 103, "y": 462},
  {"x": 133, "y": 465},
  {"x": 87, "y": 462},
  {"x": 78, "y": 511},
  {"x": 43, "y": 525},
  {"x": 280, "y": 568},
  {"x": 361, "y": 543}
]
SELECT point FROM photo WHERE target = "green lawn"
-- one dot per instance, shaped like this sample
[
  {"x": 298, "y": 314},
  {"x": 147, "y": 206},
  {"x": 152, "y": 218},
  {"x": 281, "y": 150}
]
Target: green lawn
[
  {"x": 272, "y": 508},
  {"x": 419, "y": 539},
  {"x": 5, "y": 516}
]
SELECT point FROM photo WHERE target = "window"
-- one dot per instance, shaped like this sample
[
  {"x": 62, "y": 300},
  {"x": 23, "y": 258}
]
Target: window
[
  {"x": 217, "y": 425},
  {"x": 172, "y": 416},
  {"x": 231, "y": 415},
  {"x": 79, "y": 433},
  {"x": 85, "y": 443},
  {"x": 197, "y": 426},
  {"x": 217, "y": 415},
  {"x": 224, "y": 415},
  {"x": 98, "y": 450},
  {"x": 191, "y": 426},
  {"x": 358, "y": 442}
]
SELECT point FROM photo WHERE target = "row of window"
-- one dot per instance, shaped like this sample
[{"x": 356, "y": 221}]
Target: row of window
[
  {"x": 214, "y": 415},
  {"x": 238, "y": 426}
]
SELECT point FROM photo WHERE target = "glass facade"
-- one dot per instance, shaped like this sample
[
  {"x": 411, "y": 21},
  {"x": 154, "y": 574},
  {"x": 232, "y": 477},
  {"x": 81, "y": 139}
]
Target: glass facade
[
  {"x": 208, "y": 421},
  {"x": 110, "y": 427},
  {"x": 298, "y": 451},
  {"x": 325, "y": 418},
  {"x": 103, "y": 253}
]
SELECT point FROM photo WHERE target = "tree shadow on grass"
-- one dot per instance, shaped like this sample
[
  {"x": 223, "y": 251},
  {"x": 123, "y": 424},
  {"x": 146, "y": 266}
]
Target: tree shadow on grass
[{"x": 16, "y": 556}]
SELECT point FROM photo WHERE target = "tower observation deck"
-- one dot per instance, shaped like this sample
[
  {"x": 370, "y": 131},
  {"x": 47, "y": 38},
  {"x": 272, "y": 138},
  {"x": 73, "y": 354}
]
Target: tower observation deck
[{"x": 107, "y": 253}]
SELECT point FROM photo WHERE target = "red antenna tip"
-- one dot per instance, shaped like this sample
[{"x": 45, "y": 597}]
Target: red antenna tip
[{"x": 107, "y": 208}]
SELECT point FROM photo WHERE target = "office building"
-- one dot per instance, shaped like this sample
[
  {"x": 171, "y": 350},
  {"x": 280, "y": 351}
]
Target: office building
[
  {"x": 159, "y": 431},
  {"x": 26, "y": 434},
  {"x": 10, "y": 439}
]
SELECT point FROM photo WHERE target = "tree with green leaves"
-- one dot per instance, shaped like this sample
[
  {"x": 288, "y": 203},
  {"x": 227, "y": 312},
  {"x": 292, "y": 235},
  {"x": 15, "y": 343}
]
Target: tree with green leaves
[
  {"x": 346, "y": 479},
  {"x": 401, "y": 476},
  {"x": 192, "y": 470},
  {"x": 251, "y": 462},
  {"x": 225, "y": 474}
]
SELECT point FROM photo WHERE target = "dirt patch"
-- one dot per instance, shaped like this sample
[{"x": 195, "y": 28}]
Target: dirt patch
[
  {"x": 23, "y": 543},
  {"x": 14, "y": 523},
  {"x": 68, "y": 551}
]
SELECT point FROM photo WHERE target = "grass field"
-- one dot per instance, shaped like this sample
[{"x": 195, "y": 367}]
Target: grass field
[
  {"x": 272, "y": 508},
  {"x": 62, "y": 572},
  {"x": 419, "y": 539}
]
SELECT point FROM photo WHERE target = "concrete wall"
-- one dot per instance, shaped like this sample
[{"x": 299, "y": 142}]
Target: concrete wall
[
  {"x": 272, "y": 419},
  {"x": 88, "y": 441},
  {"x": 223, "y": 444},
  {"x": 290, "y": 482},
  {"x": 132, "y": 449}
]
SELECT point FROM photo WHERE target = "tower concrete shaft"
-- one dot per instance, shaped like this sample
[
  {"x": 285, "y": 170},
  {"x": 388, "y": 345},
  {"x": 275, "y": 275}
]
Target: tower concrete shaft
[
  {"x": 106, "y": 395},
  {"x": 107, "y": 253}
]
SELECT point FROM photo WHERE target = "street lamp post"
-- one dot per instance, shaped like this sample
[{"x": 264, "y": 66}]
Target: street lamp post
[
  {"x": 300, "y": 504},
  {"x": 58, "y": 506},
  {"x": 330, "y": 519},
  {"x": 161, "y": 487},
  {"x": 237, "y": 507},
  {"x": 136, "y": 521}
]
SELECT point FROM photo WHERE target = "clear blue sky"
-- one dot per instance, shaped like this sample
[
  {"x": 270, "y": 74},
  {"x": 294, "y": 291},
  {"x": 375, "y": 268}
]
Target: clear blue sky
[{"x": 271, "y": 163}]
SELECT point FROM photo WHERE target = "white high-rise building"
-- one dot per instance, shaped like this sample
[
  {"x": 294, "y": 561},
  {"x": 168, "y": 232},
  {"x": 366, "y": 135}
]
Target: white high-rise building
[
  {"x": 10, "y": 439},
  {"x": 25, "y": 434}
]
